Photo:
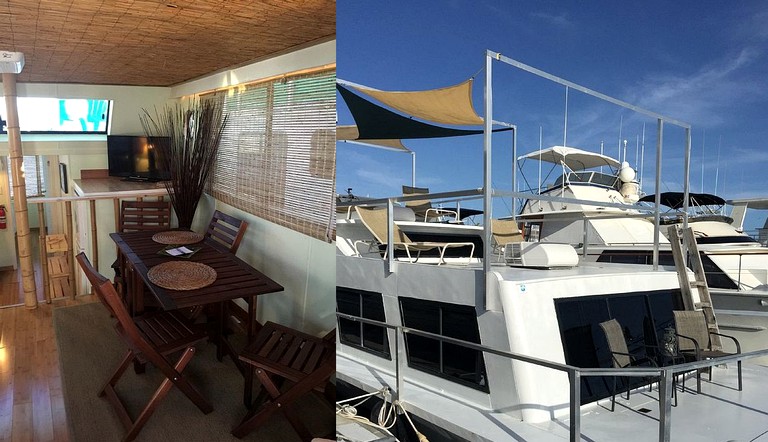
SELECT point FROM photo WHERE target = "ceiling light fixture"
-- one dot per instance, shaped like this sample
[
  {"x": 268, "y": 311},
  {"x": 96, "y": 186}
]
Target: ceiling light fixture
[{"x": 11, "y": 62}]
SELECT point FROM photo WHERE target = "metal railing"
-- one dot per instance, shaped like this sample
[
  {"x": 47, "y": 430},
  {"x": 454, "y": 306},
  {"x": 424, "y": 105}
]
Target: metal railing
[
  {"x": 665, "y": 374},
  {"x": 457, "y": 197}
]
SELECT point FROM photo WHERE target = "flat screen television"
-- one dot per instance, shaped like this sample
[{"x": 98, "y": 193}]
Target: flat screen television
[{"x": 134, "y": 158}]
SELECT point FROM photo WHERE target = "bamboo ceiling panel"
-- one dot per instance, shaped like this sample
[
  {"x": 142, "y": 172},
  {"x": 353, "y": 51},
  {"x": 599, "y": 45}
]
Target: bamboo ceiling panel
[{"x": 154, "y": 43}]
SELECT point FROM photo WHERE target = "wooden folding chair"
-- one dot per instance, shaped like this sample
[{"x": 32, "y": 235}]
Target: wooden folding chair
[
  {"x": 279, "y": 352},
  {"x": 138, "y": 216},
  {"x": 226, "y": 230},
  {"x": 150, "y": 338}
]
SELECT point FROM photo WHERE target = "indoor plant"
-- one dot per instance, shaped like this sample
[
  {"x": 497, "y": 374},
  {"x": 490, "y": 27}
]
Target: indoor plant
[{"x": 186, "y": 139}]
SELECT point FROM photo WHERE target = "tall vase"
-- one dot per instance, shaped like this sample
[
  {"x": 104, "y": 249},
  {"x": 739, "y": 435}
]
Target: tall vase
[{"x": 185, "y": 207}]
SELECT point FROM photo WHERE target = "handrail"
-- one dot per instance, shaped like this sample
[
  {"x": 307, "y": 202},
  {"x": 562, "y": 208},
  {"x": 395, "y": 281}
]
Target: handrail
[
  {"x": 67, "y": 226},
  {"x": 57, "y": 199},
  {"x": 665, "y": 373},
  {"x": 473, "y": 193},
  {"x": 477, "y": 193}
]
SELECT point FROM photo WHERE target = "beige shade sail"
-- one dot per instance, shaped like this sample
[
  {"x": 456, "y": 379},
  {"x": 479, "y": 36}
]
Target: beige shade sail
[
  {"x": 448, "y": 105},
  {"x": 351, "y": 134}
]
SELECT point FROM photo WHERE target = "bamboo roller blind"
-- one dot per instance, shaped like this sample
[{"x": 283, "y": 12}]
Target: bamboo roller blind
[{"x": 277, "y": 157}]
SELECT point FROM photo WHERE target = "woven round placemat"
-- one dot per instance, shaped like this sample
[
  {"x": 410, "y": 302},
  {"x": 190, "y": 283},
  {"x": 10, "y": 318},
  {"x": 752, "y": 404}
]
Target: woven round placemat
[
  {"x": 177, "y": 237},
  {"x": 182, "y": 275}
]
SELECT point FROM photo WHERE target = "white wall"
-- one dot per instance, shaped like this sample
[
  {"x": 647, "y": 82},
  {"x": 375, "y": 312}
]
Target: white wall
[{"x": 304, "y": 266}]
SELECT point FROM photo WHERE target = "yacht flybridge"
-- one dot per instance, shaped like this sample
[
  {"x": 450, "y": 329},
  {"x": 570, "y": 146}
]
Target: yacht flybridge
[
  {"x": 464, "y": 336},
  {"x": 610, "y": 225},
  {"x": 596, "y": 206}
]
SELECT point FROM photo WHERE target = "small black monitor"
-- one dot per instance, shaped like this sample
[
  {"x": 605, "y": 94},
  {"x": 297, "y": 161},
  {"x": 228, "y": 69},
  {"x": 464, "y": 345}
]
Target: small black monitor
[{"x": 135, "y": 158}]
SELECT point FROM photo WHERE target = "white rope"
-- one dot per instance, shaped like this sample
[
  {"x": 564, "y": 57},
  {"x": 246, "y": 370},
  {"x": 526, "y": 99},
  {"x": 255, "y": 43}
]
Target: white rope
[
  {"x": 385, "y": 413},
  {"x": 422, "y": 438},
  {"x": 363, "y": 396}
]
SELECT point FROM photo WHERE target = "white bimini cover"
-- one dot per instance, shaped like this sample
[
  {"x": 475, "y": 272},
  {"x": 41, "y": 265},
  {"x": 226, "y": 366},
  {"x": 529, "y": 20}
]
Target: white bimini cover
[{"x": 575, "y": 159}]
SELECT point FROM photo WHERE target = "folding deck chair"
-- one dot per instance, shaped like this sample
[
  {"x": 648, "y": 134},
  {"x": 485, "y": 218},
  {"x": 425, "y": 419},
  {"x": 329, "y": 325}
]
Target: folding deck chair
[
  {"x": 376, "y": 222},
  {"x": 279, "y": 352},
  {"x": 150, "y": 338}
]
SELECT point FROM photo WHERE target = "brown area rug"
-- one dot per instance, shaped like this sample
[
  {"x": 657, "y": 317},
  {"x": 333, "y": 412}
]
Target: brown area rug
[{"x": 89, "y": 351}]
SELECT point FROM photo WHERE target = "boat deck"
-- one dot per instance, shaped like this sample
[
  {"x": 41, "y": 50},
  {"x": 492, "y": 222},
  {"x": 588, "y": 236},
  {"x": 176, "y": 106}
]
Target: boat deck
[{"x": 719, "y": 413}]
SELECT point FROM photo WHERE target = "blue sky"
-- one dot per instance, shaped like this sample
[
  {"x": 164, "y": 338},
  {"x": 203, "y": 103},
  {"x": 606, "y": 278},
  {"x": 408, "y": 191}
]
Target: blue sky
[{"x": 702, "y": 62}]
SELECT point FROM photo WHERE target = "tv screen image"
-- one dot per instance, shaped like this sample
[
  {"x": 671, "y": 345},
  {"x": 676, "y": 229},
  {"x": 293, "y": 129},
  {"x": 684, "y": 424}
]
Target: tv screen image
[{"x": 134, "y": 157}]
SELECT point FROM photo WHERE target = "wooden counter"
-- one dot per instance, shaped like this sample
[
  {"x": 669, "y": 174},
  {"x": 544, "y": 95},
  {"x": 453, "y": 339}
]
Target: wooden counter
[{"x": 117, "y": 188}]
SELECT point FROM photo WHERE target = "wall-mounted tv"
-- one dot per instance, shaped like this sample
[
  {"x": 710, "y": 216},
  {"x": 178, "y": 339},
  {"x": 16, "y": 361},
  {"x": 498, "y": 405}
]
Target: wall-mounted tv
[{"x": 134, "y": 158}]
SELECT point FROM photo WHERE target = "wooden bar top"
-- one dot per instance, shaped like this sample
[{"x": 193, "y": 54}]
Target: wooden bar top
[{"x": 117, "y": 187}]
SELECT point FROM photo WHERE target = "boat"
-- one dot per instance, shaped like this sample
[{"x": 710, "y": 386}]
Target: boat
[
  {"x": 617, "y": 225},
  {"x": 497, "y": 345},
  {"x": 610, "y": 217}
]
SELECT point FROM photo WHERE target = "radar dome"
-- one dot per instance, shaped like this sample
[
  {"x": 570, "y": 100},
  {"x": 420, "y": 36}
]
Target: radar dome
[{"x": 626, "y": 173}]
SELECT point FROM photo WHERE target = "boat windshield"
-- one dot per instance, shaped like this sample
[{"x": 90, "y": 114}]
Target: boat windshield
[{"x": 588, "y": 177}]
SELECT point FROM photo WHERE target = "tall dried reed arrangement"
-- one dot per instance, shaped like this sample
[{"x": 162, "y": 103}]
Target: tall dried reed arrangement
[{"x": 186, "y": 139}]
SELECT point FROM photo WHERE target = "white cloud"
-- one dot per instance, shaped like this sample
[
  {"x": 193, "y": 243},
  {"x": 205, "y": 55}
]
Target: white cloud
[
  {"x": 560, "y": 20},
  {"x": 705, "y": 97}
]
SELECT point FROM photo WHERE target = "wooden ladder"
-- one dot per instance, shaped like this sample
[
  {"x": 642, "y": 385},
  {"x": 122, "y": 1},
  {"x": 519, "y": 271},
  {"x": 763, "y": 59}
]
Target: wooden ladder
[
  {"x": 58, "y": 266},
  {"x": 681, "y": 240}
]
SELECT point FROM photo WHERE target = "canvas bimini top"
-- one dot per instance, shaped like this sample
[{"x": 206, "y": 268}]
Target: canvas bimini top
[{"x": 573, "y": 158}]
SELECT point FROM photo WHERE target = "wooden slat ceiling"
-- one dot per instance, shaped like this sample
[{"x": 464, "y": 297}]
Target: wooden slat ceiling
[{"x": 153, "y": 42}]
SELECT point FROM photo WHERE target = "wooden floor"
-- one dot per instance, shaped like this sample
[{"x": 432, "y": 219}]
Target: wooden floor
[
  {"x": 31, "y": 401},
  {"x": 11, "y": 290}
]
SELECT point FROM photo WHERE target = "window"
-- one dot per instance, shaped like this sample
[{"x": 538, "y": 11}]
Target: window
[
  {"x": 368, "y": 305},
  {"x": 277, "y": 155},
  {"x": 716, "y": 277},
  {"x": 59, "y": 116},
  {"x": 34, "y": 176},
  {"x": 643, "y": 317},
  {"x": 450, "y": 361}
]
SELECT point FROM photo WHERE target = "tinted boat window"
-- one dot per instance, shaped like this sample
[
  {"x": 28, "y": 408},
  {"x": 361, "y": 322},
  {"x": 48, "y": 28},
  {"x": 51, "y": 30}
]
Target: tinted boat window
[
  {"x": 643, "y": 317},
  {"x": 368, "y": 305},
  {"x": 450, "y": 361},
  {"x": 716, "y": 278},
  {"x": 374, "y": 336}
]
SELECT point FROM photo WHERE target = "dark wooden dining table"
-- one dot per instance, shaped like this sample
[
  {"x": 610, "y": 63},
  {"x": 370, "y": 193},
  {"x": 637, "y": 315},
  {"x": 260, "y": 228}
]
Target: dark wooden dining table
[{"x": 235, "y": 279}]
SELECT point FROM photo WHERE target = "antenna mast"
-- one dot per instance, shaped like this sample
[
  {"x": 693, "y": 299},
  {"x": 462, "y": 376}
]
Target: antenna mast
[
  {"x": 717, "y": 171},
  {"x": 541, "y": 137},
  {"x": 642, "y": 157},
  {"x": 703, "y": 138},
  {"x": 565, "y": 125},
  {"x": 621, "y": 126}
]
